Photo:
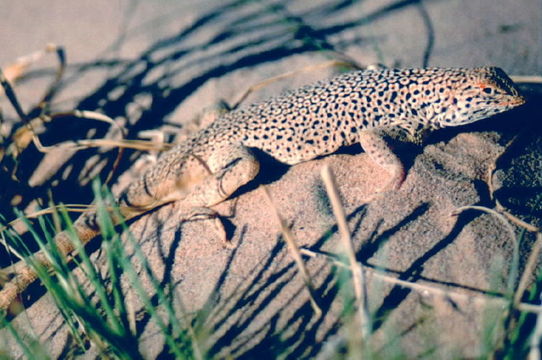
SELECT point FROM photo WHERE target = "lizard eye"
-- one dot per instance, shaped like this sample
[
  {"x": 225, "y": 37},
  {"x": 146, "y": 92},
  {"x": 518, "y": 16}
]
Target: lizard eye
[{"x": 488, "y": 90}]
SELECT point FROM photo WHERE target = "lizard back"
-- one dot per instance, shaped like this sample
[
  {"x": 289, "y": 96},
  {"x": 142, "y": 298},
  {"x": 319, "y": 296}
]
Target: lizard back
[{"x": 318, "y": 119}]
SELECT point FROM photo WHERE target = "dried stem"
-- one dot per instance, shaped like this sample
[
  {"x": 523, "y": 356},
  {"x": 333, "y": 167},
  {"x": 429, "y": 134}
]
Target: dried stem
[
  {"x": 295, "y": 253},
  {"x": 357, "y": 272}
]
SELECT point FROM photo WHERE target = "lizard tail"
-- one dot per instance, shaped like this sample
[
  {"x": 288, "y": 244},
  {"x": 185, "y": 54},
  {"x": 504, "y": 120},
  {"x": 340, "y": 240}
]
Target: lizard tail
[{"x": 24, "y": 274}]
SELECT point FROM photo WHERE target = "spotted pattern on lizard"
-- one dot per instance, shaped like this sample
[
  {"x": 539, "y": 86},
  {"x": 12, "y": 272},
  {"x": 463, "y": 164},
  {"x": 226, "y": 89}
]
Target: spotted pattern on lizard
[
  {"x": 318, "y": 119},
  {"x": 358, "y": 107}
]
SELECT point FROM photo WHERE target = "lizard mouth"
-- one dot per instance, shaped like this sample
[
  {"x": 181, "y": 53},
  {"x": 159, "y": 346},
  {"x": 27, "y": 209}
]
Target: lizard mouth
[{"x": 515, "y": 101}]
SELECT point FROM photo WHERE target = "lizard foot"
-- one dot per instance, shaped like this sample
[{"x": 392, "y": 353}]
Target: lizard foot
[
  {"x": 393, "y": 184},
  {"x": 205, "y": 213}
]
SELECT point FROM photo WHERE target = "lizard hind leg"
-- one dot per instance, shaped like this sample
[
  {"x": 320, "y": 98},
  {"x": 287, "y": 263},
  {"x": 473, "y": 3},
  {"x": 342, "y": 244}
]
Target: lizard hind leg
[
  {"x": 228, "y": 168},
  {"x": 231, "y": 167}
]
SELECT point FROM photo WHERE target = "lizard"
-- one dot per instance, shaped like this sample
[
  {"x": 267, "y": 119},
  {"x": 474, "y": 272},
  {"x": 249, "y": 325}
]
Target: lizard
[{"x": 364, "y": 107}]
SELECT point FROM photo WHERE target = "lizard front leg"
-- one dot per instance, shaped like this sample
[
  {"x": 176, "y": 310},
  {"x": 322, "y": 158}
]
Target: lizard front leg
[{"x": 374, "y": 143}]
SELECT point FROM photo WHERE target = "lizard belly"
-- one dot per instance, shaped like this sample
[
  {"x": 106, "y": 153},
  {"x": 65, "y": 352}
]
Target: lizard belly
[{"x": 295, "y": 152}]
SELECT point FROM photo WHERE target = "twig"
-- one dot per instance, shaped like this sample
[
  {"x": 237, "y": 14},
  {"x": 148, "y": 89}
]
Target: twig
[
  {"x": 535, "y": 252},
  {"x": 489, "y": 211},
  {"x": 529, "y": 268},
  {"x": 348, "y": 246},
  {"x": 514, "y": 219},
  {"x": 515, "y": 260},
  {"x": 271, "y": 80},
  {"x": 73, "y": 208},
  {"x": 295, "y": 253},
  {"x": 424, "y": 289},
  {"x": 21, "y": 140},
  {"x": 536, "y": 338},
  {"x": 491, "y": 187},
  {"x": 10, "y": 94},
  {"x": 82, "y": 114},
  {"x": 526, "y": 79}
]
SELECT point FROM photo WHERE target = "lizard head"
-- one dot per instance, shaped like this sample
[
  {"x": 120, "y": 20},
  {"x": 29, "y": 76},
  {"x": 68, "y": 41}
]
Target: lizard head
[{"x": 478, "y": 94}]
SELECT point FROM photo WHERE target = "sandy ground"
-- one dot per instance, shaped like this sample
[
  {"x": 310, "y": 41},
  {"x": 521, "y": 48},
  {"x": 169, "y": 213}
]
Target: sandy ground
[{"x": 158, "y": 64}]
